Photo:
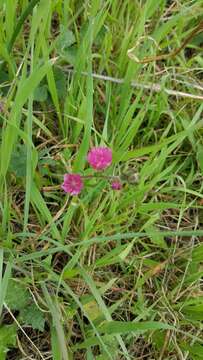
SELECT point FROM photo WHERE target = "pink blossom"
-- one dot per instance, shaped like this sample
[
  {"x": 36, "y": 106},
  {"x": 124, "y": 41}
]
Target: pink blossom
[
  {"x": 99, "y": 157},
  {"x": 116, "y": 185},
  {"x": 73, "y": 184}
]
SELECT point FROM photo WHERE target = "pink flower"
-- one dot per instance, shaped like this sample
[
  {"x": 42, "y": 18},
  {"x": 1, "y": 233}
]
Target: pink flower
[
  {"x": 116, "y": 185},
  {"x": 99, "y": 157},
  {"x": 73, "y": 184}
]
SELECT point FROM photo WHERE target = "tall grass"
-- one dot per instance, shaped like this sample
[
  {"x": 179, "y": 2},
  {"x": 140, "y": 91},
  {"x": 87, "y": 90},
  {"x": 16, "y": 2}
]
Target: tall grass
[{"x": 106, "y": 275}]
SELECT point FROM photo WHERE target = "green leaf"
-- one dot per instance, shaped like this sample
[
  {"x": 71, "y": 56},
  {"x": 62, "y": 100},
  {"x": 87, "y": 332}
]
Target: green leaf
[
  {"x": 4, "y": 278},
  {"x": 104, "y": 309},
  {"x": 200, "y": 157},
  {"x": 116, "y": 255},
  {"x": 71, "y": 55},
  {"x": 7, "y": 339},
  {"x": 60, "y": 80},
  {"x": 194, "y": 311},
  {"x": 109, "y": 341},
  {"x": 64, "y": 41},
  {"x": 31, "y": 315},
  {"x": 17, "y": 296},
  {"x": 92, "y": 309},
  {"x": 197, "y": 254},
  {"x": 40, "y": 93},
  {"x": 100, "y": 36},
  {"x": 18, "y": 161},
  {"x": 158, "y": 339},
  {"x": 119, "y": 327},
  {"x": 156, "y": 237},
  {"x": 196, "y": 350}
]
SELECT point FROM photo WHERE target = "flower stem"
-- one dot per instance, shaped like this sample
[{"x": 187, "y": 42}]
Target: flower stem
[{"x": 107, "y": 177}]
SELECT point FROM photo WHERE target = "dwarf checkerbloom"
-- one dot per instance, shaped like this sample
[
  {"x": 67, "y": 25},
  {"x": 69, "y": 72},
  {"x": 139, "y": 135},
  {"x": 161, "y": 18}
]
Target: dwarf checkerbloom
[
  {"x": 73, "y": 184},
  {"x": 99, "y": 157}
]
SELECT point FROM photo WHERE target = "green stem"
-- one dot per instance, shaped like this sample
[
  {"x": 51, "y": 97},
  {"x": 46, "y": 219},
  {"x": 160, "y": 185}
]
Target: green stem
[{"x": 108, "y": 177}]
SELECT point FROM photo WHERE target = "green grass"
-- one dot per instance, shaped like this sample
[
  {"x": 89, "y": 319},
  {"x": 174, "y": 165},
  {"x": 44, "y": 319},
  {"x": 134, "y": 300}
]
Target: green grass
[{"x": 105, "y": 275}]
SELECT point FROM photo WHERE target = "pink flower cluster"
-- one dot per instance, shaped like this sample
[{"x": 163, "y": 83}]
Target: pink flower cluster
[
  {"x": 116, "y": 185},
  {"x": 73, "y": 184},
  {"x": 99, "y": 158}
]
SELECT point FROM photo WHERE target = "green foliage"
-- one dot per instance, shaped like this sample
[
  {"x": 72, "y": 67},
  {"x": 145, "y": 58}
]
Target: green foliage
[
  {"x": 200, "y": 157},
  {"x": 7, "y": 339},
  {"x": 31, "y": 315},
  {"x": 118, "y": 327},
  {"x": 18, "y": 161},
  {"x": 64, "y": 40},
  {"x": 65, "y": 45},
  {"x": 195, "y": 351},
  {"x": 60, "y": 79},
  {"x": 19, "y": 298},
  {"x": 40, "y": 93},
  {"x": 115, "y": 275}
]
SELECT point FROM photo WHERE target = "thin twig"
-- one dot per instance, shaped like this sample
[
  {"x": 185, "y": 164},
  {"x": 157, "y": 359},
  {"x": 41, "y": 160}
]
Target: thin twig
[
  {"x": 23, "y": 331},
  {"x": 165, "y": 344},
  {"x": 150, "y": 86},
  {"x": 53, "y": 220},
  {"x": 146, "y": 60}
]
